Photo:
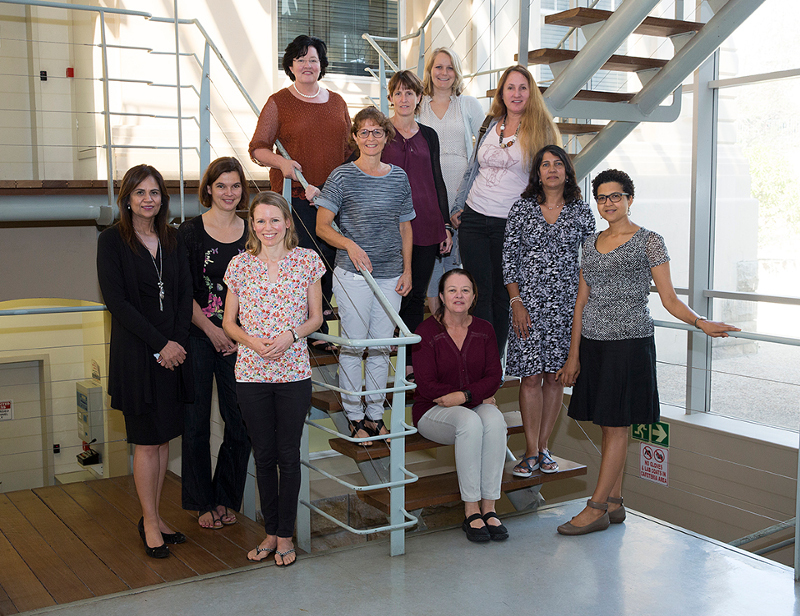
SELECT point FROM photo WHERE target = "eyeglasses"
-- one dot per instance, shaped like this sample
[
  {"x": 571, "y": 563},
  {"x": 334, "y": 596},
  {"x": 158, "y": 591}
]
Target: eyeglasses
[
  {"x": 613, "y": 197},
  {"x": 376, "y": 132}
]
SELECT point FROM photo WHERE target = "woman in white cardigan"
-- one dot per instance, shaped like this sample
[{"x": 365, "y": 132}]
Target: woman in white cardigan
[{"x": 457, "y": 119}]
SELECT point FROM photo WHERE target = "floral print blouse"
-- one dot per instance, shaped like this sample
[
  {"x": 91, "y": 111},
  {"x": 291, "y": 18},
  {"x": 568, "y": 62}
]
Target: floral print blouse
[{"x": 269, "y": 308}]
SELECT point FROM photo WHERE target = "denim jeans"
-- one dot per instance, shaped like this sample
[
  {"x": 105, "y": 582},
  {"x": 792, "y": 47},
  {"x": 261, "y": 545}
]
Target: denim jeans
[
  {"x": 200, "y": 491},
  {"x": 482, "y": 256},
  {"x": 275, "y": 414}
]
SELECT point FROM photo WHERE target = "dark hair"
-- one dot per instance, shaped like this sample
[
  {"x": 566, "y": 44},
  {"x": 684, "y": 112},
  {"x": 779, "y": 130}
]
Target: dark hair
[
  {"x": 613, "y": 175},
  {"x": 299, "y": 47},
  {"x": 410, "y": 81},
  {"x": 132, "y": 178},
  {"x": 226, "y": 164},
  {"x": 572, "y": 191},
  {"x": 443, "y": 281},
  {"x": 370, "y": 113},
  {"x": 268, "y": 197}
]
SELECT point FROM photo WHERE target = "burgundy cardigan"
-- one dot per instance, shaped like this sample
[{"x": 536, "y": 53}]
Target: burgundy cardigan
[{"x": 441, "y": 368}]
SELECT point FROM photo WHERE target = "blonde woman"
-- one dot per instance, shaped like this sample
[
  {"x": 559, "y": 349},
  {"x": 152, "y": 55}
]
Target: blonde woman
[{"x": 495, "y": 179}]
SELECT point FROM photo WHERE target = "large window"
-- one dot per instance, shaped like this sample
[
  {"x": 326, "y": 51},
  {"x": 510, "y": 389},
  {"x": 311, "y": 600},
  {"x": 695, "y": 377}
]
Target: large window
[{"x": 340, "y": 23}]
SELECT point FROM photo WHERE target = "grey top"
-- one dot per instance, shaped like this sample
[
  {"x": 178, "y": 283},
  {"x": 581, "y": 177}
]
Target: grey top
[
  {"x": 370, "y": 211},
  {"x": 619, "y": 284}
]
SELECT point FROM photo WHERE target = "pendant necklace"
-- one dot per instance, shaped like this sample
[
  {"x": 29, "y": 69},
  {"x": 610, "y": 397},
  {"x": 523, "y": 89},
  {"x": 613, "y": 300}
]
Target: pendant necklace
[
  {"x": 513, "y": 139},
  {"x": 159, "y": 271},
  {"x": 308, "y": 95}
]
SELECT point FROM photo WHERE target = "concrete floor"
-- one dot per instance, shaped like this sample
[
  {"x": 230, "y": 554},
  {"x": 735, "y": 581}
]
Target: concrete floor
[{"x": 642, "y": 567}]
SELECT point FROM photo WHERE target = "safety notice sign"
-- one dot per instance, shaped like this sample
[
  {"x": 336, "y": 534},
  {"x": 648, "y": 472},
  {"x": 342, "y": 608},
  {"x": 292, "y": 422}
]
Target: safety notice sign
[
  {"x": 653, "y": 463},
  {"x": 6, "y": 409}
]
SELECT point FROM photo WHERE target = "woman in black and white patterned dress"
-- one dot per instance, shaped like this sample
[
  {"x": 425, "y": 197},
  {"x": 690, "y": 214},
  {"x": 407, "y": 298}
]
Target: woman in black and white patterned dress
[
  {"x": 612, "y": 354},
  {"x": 544, "y": 232}
]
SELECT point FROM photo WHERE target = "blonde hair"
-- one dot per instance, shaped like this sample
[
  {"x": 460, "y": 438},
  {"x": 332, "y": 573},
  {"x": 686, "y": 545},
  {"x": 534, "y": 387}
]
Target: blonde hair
[
  {"x": 537, "y": 128},
  {"x": 458, "y": 84},
  {"x": 267, "y": 197}
]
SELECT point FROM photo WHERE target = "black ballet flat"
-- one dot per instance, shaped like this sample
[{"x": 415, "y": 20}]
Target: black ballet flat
[
  {"x": 173, "y": 538},
  {"x": 161, "y": 551}
]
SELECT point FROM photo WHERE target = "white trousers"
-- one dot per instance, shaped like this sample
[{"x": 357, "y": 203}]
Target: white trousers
[
  {"x": 479, "y": 435},
  {"x": 362, "y": 316}
]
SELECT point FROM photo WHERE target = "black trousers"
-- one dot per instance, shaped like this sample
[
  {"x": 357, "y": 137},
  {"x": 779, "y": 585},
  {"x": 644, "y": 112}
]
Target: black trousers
[
  {"x": 274, "y": 414},
  {"x": 412, "y": 307},
  {"x": 481, "y": 239}
]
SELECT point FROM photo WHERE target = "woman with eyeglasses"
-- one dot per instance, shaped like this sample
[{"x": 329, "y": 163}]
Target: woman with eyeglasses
[
  {"x": 612, "y": 356},
  {"x": 373, "y": 202},
  {"x": 415, "y": 149},
  {"x": 545, "y": 230},
  {"x": 313, "y": 124}
]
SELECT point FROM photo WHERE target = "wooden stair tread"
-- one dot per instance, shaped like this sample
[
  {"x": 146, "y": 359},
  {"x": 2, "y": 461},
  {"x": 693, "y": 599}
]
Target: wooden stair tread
[
  {"x": 569, "y": 128},
  {"x": 590, "y": 95},
  {"x": 443, "y": 488},
  {"x": 614, "y": 63},
  {"x": 415, "y": 442},
  {"x": 329, "y": 401},
  {"x": 651, "y": 26}
]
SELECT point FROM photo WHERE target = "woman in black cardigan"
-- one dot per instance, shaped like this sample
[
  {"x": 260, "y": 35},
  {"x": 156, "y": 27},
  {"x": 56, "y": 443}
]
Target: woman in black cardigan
[{"x": 145, "y": 281}]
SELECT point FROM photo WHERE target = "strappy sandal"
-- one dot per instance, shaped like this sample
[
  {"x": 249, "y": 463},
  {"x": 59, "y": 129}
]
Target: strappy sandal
[
  {"x": 216, "y": 522},
  {"x": 525, "y": 469},
  {"x": 231, "y": 515},
  {"x": 358, "y": 426},
  {"x": 546, "y": 461},
  {"x": 260, "y": 550},
  {"x": 601, "y": 523},
  {"x": 618, "y": 515},
  {"x": 286, "y": 553},
  {"x": 376, "y": 431}
]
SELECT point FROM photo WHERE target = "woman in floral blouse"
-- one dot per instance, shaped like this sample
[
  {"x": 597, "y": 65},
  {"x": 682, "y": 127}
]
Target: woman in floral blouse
[
  {"x": 274, "y": 301},
  {"x": 211, "y": 241}
]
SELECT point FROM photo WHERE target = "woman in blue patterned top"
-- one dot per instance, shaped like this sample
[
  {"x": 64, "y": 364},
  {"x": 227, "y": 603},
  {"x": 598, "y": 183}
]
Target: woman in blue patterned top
[
  {"x": 211, "y": 241},
  {"x": 612, "y": 356}
]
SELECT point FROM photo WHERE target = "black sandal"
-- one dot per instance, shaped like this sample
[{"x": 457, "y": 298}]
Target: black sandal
[
  {"x": 376, "y": 431},
  {"x": 355, "y": 427}
]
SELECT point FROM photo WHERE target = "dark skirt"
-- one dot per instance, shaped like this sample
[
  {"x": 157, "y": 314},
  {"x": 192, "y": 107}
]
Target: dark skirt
[
  {"x": 163, "y": 420},
  {"x": 617, "y": 383}
]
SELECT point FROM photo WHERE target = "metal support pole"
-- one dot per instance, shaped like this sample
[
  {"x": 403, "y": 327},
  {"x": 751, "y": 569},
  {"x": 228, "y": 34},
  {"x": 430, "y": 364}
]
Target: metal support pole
[
  {"x": 421, "y": 59},
  {"x": 797, "y": 526},
  {"x": 180, "y": 110},
  {"x": 384, "y": 91},
  {"x": 304, "y": 513},
  {"x": 106, "y": 215},
  {"x": 524, "y": 30},
  {"x": 205, "y": 112},
  {"x": 397, "y": 499}
]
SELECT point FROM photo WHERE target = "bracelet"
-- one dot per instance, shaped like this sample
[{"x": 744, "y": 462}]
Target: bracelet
[
  {"x": 294, "y": 335},
  {"x": 697, "y": 319},
  {"x": 450, "y": 228},
  {"x": 516, "y": 298}
]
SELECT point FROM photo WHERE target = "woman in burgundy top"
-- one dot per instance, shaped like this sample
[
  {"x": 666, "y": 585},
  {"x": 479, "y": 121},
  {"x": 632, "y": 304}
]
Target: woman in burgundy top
[
  {"x": 457, "y": 368},
  {"x": 415, "y": 149}
]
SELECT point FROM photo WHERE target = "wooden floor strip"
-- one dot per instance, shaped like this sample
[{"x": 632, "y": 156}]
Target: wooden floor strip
[
  {"x": 117, "y": 525},
  {"x": 118, "y": 553},
  {"x": 6, "y": 605},
  {"x": 54, "y": 574},
  {"x": 190, "y": 553},
  {"x": 84, "y": 563},
  {"x": 24, "y": 590}
]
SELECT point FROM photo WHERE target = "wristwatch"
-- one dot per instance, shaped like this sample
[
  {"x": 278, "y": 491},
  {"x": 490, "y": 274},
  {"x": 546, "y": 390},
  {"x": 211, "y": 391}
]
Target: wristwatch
[
  {"x": 467, "y": 395},
  {"x": 294, "y": 335}
]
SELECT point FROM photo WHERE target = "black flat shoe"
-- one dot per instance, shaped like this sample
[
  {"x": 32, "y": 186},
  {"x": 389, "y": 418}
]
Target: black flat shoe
[
  {"x": 496, "y": 533},
  {"x": 478, "y": 535},
  {"x": 173, "y": 538},
  {"x": 162, "y": 551}
]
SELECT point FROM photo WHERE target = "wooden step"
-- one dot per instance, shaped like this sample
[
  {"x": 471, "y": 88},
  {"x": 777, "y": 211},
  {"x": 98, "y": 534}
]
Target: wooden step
[
  {"x": 629, "y": 64},
  {"x": 569, "y": 128},
  {"x": 443, "y": 488},
  {"x": 415, "y": 442},
  {"x": 330, "y": 401},
  {"x": 589, "y": 95},
  {"x": 651, "y": 26}
]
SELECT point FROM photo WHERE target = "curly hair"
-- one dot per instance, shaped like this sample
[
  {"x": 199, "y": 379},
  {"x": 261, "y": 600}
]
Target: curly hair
[
  {"x": 613, "y": 175},
  {"x": 299, "y": 48},
  {"x": 370, "y": 113},
  {"x": 572, "y": 191}
]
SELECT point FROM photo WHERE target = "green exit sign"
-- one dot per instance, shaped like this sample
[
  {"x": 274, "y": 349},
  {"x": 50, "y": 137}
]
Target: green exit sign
[{"x": 656, "y": 433}]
